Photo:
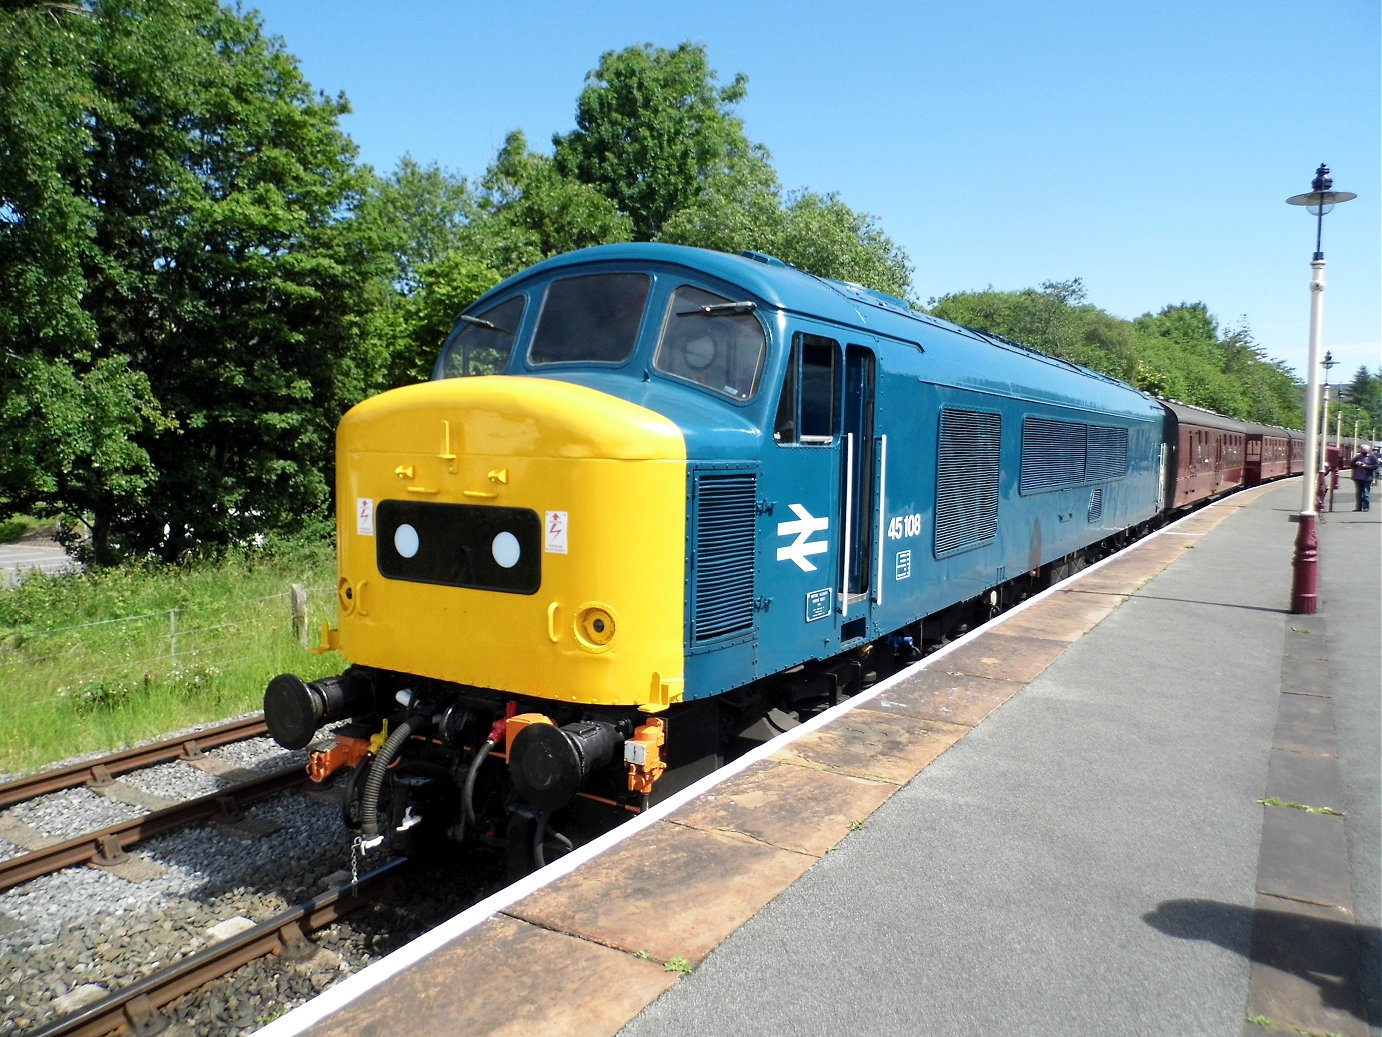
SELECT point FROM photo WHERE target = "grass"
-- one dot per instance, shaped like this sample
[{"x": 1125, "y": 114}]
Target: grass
[
  {"x": 1276, "y": 801},
  {"x": 97, "y": 661},
  {"x": 12, "y": 529}
]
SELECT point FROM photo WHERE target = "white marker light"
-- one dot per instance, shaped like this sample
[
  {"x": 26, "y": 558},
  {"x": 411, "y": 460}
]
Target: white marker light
[
  {"x": 405, "y": 540},
  {"x": 505, "y": 550}
]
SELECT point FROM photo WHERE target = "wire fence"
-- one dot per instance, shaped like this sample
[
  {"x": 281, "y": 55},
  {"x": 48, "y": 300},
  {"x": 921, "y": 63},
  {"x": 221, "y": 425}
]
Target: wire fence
[{"x": 56, "y": 661}]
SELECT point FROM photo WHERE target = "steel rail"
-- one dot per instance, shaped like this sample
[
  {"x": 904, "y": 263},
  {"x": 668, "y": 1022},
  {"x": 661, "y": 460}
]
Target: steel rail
[
  {"x": 135, "y": 1008},
  {"x": 107, "y": 846},
  {"x": 96, "y": 773}
]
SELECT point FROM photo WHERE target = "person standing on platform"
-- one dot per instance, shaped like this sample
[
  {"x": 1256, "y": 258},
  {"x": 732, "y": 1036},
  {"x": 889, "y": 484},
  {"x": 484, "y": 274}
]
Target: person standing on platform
[{"x": 1364, "y": 468}]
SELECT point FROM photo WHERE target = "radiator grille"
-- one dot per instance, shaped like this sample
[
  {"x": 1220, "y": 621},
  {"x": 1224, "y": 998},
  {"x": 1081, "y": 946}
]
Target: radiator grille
[
  {"x": 1058, "y": 454},
  {"x": 1108, "y": 453},
  {"x": 966, "y": 480},
  {"x": 722, "y": 518},
  {"x": 1052, "y": 454}
]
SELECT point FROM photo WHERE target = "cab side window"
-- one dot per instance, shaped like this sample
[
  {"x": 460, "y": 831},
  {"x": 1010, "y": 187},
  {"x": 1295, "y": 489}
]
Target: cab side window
[
  {"x": 807, "y": 412},
  {"x": 482, "y": 343}
]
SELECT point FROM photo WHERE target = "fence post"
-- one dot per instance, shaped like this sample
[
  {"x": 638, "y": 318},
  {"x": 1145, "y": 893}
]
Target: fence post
[
  {"x": 173, "y": 637},
  {"x": 297, "y": 598}
]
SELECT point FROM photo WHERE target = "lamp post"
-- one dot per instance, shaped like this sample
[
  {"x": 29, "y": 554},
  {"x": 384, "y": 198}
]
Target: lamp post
[
  {"x": 1319, "y": 200},
  {"x": 1327, "y": 363}
]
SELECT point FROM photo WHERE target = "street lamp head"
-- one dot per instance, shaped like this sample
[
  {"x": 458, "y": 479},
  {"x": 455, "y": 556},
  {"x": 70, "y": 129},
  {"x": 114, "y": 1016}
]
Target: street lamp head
[{"x": 1320, "y": 199}]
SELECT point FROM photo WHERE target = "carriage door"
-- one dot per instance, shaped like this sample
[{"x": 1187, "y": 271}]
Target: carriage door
[{"x": 858, "y": 496}]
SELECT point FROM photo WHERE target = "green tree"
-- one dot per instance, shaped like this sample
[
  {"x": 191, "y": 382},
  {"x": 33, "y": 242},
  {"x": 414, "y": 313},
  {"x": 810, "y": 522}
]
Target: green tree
[
  {"x": 528, "y": 210},
  {"x": 418, "y": 214},
  {"x": 1365, "y": 393},
  {"x": 1053, "y": 319},
  {"x": 653, "y": 128},
  {"x": 446, "y": 287},
  {"x": 818, "y": 233},
  {"x": 657, "y": 135},
  {"x": 179, "y": 269}
]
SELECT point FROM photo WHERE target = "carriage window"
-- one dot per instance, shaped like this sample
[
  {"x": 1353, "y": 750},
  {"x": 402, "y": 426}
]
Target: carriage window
[
  {"x": 807, "y": 412},
  {"x": 712, "y": 341},
  {"x": 481, "y": 343},
  {"x": 592, "y": 319}
]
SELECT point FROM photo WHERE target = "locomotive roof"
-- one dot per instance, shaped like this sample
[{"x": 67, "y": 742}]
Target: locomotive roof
[
  {"x": 779, "y": 285},
  {"x": 774, "y": 282}
]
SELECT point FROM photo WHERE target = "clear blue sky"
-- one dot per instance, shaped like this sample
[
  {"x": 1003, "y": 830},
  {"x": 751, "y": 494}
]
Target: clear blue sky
[{"x": 1145, "y": 147}]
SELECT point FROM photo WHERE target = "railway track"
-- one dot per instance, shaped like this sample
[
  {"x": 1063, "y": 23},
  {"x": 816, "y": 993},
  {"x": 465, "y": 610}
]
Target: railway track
[
  {"x": 107, "y": 846},
  {"x": 189, "y": 918},
  {"x": 101, "y": 772},
  {"x": 136, "y": 1008}
]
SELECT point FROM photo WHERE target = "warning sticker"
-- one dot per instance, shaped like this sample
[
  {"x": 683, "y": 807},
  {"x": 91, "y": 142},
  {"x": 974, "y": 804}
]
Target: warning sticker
[
  {"x": 364, "y": 516},
  {"x": 556, "y": 533}
]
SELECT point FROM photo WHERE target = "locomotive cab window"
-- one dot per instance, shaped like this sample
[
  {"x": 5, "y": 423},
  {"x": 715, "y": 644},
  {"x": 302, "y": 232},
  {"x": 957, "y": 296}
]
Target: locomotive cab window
[
  {"x": 714, "y": 342},
  {"x": 807, "y": 412},
  {"x": 481, "y": 343},
  {"x": 590, "y": 319}
]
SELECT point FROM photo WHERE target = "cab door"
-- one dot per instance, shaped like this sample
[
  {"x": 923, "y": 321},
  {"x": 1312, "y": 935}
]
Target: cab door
[{"x": 859, "y": 492}]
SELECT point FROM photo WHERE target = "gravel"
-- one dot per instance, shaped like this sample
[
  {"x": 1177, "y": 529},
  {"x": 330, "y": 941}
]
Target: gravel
[
  {"x": 66, "y": 815},
  {"x": 81, "y": 933},
  {"x": 174, "y": 781}
]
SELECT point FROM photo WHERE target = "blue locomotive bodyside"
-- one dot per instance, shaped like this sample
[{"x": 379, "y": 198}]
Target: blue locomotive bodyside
[{"x": 874, "y": 466}]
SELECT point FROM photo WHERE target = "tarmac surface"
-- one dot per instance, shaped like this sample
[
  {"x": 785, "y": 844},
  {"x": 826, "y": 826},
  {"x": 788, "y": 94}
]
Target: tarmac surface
[
  {"x": 27, "y": 556},
  {"x": 1090, "y": 818}
]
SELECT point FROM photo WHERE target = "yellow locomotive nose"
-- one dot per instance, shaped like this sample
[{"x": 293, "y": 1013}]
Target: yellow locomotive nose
[{"x": 519, "y": 534}]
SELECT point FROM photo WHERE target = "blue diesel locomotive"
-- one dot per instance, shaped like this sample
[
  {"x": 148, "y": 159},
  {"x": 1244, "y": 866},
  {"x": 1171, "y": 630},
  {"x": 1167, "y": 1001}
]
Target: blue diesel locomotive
[{"x": 658, "y": 503}]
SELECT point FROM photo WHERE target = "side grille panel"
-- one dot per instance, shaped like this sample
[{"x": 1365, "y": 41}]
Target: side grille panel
[
  {"x": 966, "y": 480},
  {"x": 1062, "y": 454},
  {"x": 1053, "y": 454},
  {"x": 722, "y": 567}
]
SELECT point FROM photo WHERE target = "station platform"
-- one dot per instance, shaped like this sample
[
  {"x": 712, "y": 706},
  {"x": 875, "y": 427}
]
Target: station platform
[{"x": 1089, "y": 817}]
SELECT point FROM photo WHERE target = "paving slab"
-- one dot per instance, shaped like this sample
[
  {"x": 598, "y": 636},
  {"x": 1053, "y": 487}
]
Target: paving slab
[
  {"x": 670, "y": 891},
  {"x": 797, "y": 808},
  {"x": 1304, "y": 960},
  {"x": 1063, "y": 617},
  {"x": 483, "y": 983},
  {"x": 1305, "y": 778},
  {"x": 1305, "y": 857},
  {"x": 871, "y": 743},
  {"x": 1005, "y": 657},
  {"x": 954, "y": 698},
  {"x": 1305, "y": 723}
]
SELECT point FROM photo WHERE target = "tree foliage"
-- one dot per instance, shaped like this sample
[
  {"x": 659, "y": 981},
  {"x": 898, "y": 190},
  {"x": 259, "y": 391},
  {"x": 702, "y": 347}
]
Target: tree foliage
[
  {"x": 1180, "y": 353},
  {"x": 175, "y": 272},
  {"x": 528, "y": 210},
  {"x": 652, "y": 126}
]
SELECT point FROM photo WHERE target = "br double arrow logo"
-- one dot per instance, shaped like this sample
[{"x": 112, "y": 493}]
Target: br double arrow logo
[{"x": 803, "y": 528}]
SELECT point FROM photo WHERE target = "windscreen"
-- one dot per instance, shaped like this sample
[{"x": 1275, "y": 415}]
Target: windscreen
[{"x": 591, "y": 319}]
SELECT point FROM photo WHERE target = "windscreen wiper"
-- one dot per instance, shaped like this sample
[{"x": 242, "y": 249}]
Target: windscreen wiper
[{"x": 720, "y": 309}]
